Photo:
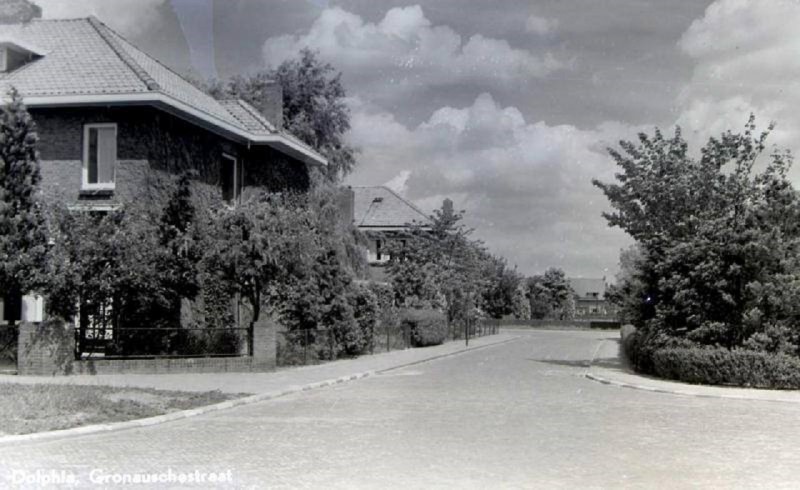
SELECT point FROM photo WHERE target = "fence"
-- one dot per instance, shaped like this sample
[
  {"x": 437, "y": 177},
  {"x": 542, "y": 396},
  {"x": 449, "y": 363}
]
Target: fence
[
  {"x": 315, "y": 346},
  {"x": 8, "y": 347},
  {"x": 576, "y": 323},
  {"x": 149, "y": 343}
]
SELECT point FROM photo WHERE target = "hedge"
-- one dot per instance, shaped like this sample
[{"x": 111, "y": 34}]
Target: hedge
[
  {"x": 710, "y": 365},
  {"x": 720, "y": 366},
  {"x": 427, "y": 326}
]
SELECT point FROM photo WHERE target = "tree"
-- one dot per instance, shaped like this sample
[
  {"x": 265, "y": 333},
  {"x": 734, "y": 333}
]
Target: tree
[
  {"x": 313, "y": 105},
  {"x": 501, "y": 289},
  {"x": 440, "y": 266},
  {"x": 18, "y": 11},
  {"x": 719, "y": 242},
  {"x": 521, "y": 304},
  {"x": 180, "y": 251},
  {"x": 23, "y": 239},
  {"x": 629, "y": 292},
  {"x": 260, "y": 246},
  {"x": 550, "y": 295}
]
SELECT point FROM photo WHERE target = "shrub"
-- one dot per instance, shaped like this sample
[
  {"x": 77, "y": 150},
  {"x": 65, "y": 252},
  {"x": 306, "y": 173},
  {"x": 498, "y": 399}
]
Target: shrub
[
  {"x": 720, "y": 366},
  {"x": 427, "y": 326},
  {"x": 638, "y": 347},
  {"x": 365, "y": 310}
]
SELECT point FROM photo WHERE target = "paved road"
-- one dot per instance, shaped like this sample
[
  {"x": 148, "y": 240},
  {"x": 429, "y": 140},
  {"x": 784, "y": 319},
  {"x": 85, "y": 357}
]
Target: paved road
[{"x": 519, "y": 415}]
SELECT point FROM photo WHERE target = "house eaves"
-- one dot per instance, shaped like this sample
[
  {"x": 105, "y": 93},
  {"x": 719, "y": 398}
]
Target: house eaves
[{"x": 163, "y": 101}]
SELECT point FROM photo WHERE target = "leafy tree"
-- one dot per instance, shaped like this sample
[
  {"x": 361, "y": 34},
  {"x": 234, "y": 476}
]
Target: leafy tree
[
  {"x": 260, "y": 245},
  {"x": 18, "y": 11},
  {"x": 501, "y": 288},
  {"x": 23, "y": 239},
  {"x": 106, "y": 267},
  {"x": 521, "y": 306},
  {"x": 550, "y": 295},
  {"x": 313, "y": 105},
  {"x": 719, "y": 241},
  {"x": 179, "y": 247},
  {"x": 629, "y": 292},
  {"x": 439, "y": 265}
]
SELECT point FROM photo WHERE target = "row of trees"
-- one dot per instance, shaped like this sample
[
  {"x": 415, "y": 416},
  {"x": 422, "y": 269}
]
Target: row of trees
[{"x": 440, "y": 265}]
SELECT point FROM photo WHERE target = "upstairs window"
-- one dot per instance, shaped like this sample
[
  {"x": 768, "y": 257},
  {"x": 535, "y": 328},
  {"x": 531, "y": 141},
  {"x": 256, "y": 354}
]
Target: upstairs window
[
  {"x": 99, "y": 156},
  {"x": 231, "y": 178}
]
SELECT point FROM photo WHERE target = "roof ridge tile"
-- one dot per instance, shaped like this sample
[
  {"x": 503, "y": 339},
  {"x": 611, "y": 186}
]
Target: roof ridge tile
[{"x": 140, "y": 72}]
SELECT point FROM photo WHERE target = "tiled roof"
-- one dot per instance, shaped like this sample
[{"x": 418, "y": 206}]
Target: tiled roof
[
  {"x": 77, "y": 61},
  {"x": 381, "y": 207},
  {"x": 582, "y": 286},
  {"x": 248, "y": 116},
  {"x": 84, "y": 57}
]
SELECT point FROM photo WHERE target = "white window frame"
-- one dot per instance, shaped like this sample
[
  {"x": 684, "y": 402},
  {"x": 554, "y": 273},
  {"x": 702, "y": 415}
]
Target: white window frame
[
  {"x": 85, "y": 185},
  {"x": 237, "y": 192}
]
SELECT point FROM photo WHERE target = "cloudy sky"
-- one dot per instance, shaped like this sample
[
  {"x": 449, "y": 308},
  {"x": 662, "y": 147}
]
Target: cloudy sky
[{"x": 505, "y": 107}]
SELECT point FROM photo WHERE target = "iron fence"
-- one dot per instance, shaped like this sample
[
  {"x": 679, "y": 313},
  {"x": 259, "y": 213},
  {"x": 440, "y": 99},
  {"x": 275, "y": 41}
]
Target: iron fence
[
  {"x": 156, "y": 342},
  {"x": 315, "y": 346}
]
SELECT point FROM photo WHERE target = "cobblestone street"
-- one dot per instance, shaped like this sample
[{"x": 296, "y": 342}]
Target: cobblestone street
[{"x": 519, "y": 414}]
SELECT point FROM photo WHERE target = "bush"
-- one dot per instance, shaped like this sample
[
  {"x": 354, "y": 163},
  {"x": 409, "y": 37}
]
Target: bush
[
  {"x": 720, "y": 366},
  {"x": 427, "y": 326},
  {"x": 638, "y": 347},
  {"x": 366, "y": 311}
]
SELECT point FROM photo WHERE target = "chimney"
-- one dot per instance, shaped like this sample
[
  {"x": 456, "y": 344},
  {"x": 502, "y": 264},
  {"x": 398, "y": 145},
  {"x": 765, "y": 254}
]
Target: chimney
[
  {"x": 347, "y": 205},
  {"x": 272, "y": 103}
]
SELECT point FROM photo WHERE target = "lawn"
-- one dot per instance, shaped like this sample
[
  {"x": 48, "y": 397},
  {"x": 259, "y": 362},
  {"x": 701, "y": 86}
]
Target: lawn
[{"x": 34, "y": 408}]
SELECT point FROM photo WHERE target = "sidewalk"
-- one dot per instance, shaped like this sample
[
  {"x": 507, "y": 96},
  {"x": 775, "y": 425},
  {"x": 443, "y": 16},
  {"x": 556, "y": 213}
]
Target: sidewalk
[
  {"x": 288, "y": 378},
  {"x": 608, "y": 368}
]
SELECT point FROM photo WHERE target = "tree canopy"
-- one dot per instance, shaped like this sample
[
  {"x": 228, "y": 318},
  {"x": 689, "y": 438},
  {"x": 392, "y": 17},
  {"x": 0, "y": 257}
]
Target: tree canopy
[
  {"x": 718, "y": 241},
  {"x": 550, "y": 295},
  {"x": 17, "y": 11},
  {"x": 314, "y": 109}
]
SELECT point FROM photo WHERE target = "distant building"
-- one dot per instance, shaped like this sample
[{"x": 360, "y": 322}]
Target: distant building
[
  {"x": 383, "y": 215},
  {"x": 590, "y": 297}
]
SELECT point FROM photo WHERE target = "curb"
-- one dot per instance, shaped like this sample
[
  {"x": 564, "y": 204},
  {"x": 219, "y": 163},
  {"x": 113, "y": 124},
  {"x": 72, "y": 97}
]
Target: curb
[
  {"x": 667, "y": 391},
  {"x": 216, "y": 407}
]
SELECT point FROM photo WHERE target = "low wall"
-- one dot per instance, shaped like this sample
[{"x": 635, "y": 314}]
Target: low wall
[{"x": 48, "y": 349}]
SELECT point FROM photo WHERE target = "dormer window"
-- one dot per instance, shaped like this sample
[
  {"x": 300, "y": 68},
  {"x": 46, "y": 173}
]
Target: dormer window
[{"x": 14, "y": 54}]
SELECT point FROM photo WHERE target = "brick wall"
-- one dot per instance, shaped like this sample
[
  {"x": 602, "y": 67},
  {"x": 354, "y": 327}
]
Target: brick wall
[
  {"x": 48, "y": 349},
  {"x": 150, "y": 143}
]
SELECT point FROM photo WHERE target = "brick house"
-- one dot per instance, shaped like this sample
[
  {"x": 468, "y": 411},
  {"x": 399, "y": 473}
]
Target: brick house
[
  {"x": 114, "y": 123},
  {"x": 590, "y": 298},
  {"x": 383, "y": 215}
]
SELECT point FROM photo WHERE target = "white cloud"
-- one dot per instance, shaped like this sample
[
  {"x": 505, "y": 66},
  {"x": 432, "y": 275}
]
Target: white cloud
[
  {"x": 406, "y": 50},
  {"x": 130, "y": 17},
  {"x": 747, "y": 59},
  {"x": 540, "y": 25},
  {"x": 526, "y": 186}
]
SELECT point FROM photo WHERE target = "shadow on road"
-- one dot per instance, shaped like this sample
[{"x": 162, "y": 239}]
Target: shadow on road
[{"x": 581, "y": 363}]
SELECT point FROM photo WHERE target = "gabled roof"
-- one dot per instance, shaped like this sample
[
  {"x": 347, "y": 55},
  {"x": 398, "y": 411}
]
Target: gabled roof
[
  {"x": 582, "y": 286},
  {"x": 85, "y": 62},
  {"x": 381, "y": 207}
]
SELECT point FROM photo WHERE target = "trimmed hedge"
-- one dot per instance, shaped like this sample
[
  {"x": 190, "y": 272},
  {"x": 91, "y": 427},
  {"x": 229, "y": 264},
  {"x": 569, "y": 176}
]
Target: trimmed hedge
[
  {"x": 427, "y": 326},
  {"x": 720, "y": 366},
  {"x": 674, "y": 359}
]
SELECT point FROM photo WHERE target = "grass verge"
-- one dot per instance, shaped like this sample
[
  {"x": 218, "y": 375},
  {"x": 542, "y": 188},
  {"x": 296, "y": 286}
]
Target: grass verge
[{"x": 25, "y": 408}]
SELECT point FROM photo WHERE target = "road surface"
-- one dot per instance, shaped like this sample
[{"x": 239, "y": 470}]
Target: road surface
[{"x": 517, "y": 415}]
